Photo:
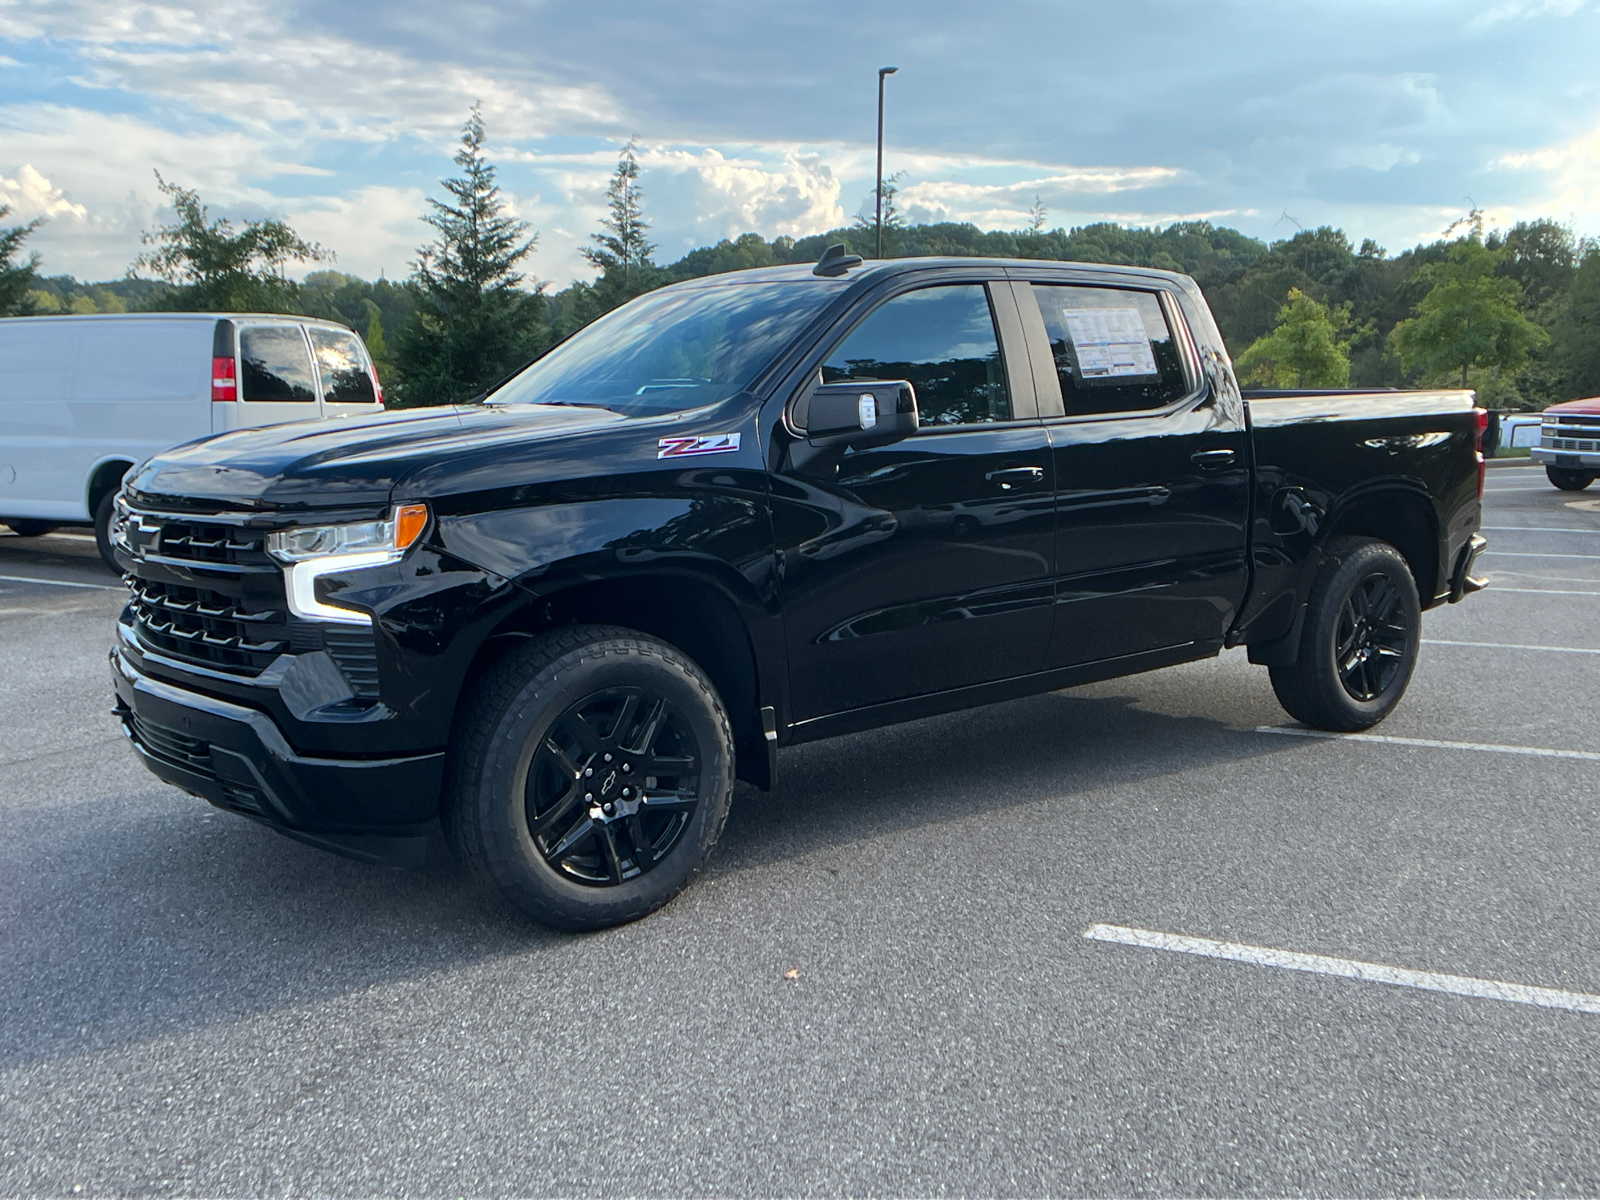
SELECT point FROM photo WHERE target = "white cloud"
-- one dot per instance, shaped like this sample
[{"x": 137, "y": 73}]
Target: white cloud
[
  {"x": 374, "y": 231},
  {"x": 1571, "y": 172},
  {"x": 31, "y": 195},
  {"x": 1521, "y": 10}
]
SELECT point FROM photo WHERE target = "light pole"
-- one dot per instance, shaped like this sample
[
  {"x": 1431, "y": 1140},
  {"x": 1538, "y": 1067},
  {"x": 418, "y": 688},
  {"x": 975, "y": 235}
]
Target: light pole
[{"x": 882, "y": 71}]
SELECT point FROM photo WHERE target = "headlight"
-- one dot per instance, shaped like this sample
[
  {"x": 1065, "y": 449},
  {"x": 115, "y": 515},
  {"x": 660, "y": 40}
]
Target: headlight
[
  {"x": 394, "y": 536},
  {"x": 312, "y": 551}
]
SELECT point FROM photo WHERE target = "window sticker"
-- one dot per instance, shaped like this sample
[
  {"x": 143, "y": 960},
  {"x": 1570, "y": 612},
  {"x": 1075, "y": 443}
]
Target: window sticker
[{"x": 1110, "y": 343}]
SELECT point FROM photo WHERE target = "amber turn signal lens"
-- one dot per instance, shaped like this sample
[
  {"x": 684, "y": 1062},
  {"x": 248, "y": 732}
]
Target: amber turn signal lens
[{"x": 409, "y": 522}]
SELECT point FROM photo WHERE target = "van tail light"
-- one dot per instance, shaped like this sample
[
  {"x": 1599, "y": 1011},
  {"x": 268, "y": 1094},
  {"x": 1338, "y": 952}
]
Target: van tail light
[
  {"x": 223, "y": 384},
  {"x": 377, "y": 388},
  {"x": 1482, "y": 417}
]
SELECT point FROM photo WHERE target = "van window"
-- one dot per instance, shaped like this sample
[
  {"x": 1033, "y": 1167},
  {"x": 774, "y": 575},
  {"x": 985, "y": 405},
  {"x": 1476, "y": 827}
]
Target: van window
[
  {"x": 943, "y": 340},
  {"x": 1113, "y": 350},
  {"x": 277, "y": 365},
  {"x": 343, "y": 363}
]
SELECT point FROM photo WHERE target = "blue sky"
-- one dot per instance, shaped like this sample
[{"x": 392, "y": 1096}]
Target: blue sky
[{"x": 1388, "y": 119}]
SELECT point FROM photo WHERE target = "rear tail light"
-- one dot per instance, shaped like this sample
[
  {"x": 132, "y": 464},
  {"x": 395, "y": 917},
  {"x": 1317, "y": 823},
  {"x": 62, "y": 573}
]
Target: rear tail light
[
  {"x": 377, "y": 388},
  {"x": 1482, "y": 416},
  {"x": 223, "y": 384}
]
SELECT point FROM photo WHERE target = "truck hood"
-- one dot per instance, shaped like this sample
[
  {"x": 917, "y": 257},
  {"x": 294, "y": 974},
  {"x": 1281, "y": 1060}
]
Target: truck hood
[
  {"x": 1590, "y": 406},
  {"x": 346, "y": 463}
]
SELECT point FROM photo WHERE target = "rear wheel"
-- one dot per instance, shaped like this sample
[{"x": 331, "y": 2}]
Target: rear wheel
[
  {"x": 591, "y": 776},
  {"x": 1360, "y": 639},
  {"x": 1569, "y": 480},
  {"x": 24, "y": 528}
]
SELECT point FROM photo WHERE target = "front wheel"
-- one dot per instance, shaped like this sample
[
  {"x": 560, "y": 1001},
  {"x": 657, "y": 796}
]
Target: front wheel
[
  {"x": 591, "y": 776},
  {"x": 1360, "y": 639},
  {"x": 1569, "y": 480},
  {"x": 104, "y": 513}
]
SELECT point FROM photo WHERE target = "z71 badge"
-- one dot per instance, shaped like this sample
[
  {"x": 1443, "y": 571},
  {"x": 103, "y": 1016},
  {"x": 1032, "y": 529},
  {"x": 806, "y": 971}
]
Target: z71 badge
[{"x": 687, "y": 447}]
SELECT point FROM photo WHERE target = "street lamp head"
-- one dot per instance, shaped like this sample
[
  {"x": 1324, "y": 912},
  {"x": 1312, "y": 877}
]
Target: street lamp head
[{"x": 882, "y": 71}]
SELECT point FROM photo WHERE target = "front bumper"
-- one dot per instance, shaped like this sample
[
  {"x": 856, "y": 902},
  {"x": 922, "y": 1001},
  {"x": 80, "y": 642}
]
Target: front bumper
[
  {"x": 237, "y": 758},
  {"x": 1565, "y": 459}
]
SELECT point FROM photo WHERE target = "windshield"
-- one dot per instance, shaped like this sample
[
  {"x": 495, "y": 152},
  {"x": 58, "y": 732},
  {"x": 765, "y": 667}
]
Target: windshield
[{"x": 671, "y": 350}]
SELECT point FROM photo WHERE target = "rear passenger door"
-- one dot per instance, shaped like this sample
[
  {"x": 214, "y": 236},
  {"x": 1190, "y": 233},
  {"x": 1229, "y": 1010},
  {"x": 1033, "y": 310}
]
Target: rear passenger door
[
  {"x": 277, "y": 381},
  {"x": 1152, "y": 476},
  {"x": 348, "y": 387}
]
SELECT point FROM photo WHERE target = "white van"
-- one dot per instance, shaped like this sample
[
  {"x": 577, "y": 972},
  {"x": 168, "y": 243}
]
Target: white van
[{"x": 85, "y": 398}]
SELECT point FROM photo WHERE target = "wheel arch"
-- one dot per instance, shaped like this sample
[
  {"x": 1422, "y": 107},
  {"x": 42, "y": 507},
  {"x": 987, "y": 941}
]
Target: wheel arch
[
  {"x": 1405, "y": 517},
  {"x": 105, "y": 476},
  {"x": 686, "y": 610}
]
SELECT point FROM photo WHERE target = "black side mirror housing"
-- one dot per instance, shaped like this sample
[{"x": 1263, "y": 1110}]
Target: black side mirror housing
[{"x": 861, "y": 415}]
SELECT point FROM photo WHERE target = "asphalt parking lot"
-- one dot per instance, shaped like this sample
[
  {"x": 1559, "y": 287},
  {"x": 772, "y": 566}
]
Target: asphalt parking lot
[{"x": 191, "y": 1004}]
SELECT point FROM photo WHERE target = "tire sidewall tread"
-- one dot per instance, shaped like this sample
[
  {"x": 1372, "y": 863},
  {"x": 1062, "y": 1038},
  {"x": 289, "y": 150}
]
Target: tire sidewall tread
[{"x": 505, "y": 715}]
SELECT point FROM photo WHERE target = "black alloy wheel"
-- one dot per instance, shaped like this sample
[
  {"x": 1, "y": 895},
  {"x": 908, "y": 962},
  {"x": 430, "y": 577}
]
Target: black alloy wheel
[
  {"x": 1359, "y": 640},
  {"x": 590, "y": 775},
  {"x": 613, "y": 786},
  {"x": 1373, "y": 641}
]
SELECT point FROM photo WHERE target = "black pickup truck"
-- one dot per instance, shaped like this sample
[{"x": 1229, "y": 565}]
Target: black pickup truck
[{"x": 754, "y": 510}]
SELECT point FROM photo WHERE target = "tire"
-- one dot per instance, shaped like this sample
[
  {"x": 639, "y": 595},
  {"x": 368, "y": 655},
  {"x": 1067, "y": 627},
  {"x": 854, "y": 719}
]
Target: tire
[
  {"x": 1569, "y": 480},
  {"x": 1363, "y": 603},
  {"x": 103, "y": 512},
  {"x": 549, "y": 792},
  {"x": 24, "y": 528}
]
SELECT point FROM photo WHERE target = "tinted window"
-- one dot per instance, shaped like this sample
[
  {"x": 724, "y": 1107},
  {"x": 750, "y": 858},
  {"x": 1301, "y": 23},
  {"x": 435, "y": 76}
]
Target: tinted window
[
  {"x": 672, "y": 350},
  {"x": 943, "y": 340},
  {"x": 276, "y": 364},
  {"x": 1113, "y": 350},
  {"x": 343, "y": 364}
]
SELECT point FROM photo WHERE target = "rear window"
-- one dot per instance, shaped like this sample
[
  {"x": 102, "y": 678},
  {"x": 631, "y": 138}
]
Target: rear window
[
  {"x": 342, "y": 361},
  {"x": 1113, "y": 349},
  {"x": 277, "y": 365}
]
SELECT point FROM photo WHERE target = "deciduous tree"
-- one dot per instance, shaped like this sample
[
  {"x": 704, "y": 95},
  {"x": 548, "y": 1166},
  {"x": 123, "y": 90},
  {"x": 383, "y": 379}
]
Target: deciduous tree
[
  {"x": 215, "y": 269},
  {"x": 1469, "y": 318},
  {"x": 1303, "y": 350}
]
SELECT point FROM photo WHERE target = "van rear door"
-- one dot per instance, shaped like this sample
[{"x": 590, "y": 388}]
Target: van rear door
[
  {"x": 276, "y": 379},
  {"x": 349, "y": 384}
]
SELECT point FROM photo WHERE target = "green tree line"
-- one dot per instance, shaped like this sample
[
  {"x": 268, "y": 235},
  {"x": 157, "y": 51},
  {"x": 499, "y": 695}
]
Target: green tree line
[{"x": 1513, "y": 313}]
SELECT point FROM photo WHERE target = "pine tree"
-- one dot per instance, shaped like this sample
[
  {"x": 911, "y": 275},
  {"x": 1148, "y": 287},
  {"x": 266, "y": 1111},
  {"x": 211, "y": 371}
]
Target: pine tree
[
  {"x": 620, "y": 249},
  {"x": 16, "y": 277},
  {"x": 472, "y": 324}
]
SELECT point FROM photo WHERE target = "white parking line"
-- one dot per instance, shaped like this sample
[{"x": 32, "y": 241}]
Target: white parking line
[
  {"x": 1430, "y": 743},
  {"x": 1347, "y": 968},
  {"x": 1508, "y": 646},
  {"x": 1493, "y": 588},
  {"x": 1535, "y": 529},
  {"x": 1520, "y": 487},
  {"x": 1531, "y": 554},
  {"x": 101, "y": 587}
]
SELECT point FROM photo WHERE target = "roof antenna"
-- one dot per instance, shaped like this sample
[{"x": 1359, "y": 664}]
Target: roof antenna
[{"x": 835, "y": 261}]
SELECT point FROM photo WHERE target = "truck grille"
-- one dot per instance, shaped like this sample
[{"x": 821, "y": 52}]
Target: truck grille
[
  {"x": 205, "y": 591},
  {"x": 1576, "y": 433}
]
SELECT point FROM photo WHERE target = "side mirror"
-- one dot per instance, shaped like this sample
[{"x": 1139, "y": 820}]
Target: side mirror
[{"x": 861, "y": 415}]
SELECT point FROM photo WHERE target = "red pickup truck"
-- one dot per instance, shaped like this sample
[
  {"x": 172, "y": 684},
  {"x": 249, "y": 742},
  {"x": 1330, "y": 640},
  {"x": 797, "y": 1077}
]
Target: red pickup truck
[{"x": 1569, "y": 443}]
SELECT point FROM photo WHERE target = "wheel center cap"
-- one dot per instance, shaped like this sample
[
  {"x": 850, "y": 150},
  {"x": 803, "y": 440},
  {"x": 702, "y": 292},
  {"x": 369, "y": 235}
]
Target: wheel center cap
[{"x": 608, "y": 785}]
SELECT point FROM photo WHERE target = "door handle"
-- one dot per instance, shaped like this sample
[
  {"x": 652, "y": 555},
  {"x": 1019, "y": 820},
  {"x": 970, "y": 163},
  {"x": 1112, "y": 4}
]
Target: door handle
[
  {"x": 1016, "y": 477},
  {"x": 1210, "y": 460}
]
